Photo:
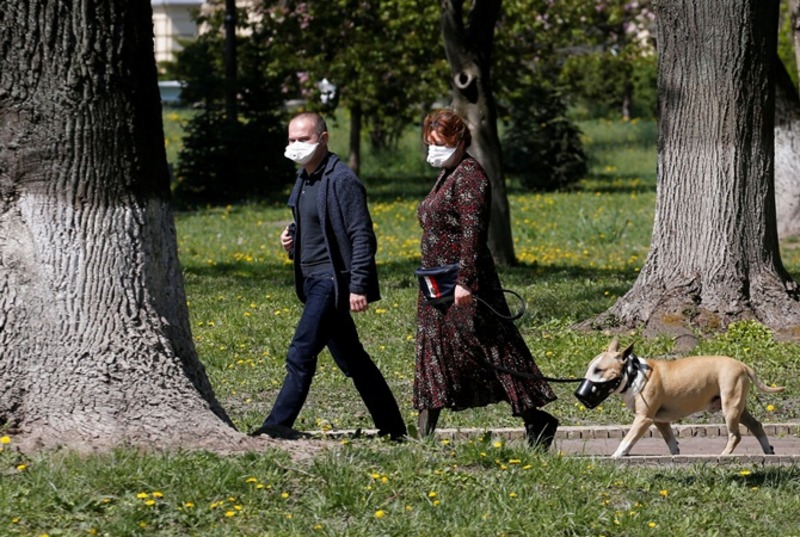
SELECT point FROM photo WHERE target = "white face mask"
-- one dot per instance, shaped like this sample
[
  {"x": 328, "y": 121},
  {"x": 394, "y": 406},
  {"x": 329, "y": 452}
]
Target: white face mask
[
  {"x": 438, "y": 155},
  {"x": 300, "y": 152}
]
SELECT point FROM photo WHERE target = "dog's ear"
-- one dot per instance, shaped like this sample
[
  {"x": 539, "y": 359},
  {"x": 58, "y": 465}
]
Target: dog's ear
[
  {"x": 613, "y": 346},
  {"x": 628, "y": 351}
]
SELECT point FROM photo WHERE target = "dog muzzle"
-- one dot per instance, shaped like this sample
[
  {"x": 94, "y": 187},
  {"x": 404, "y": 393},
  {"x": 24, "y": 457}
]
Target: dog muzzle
[{"x": 591, "y": 393}]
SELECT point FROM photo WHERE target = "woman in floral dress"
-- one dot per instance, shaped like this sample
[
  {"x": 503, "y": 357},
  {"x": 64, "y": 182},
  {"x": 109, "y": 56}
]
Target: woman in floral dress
[{"x": 461, "y": 345}]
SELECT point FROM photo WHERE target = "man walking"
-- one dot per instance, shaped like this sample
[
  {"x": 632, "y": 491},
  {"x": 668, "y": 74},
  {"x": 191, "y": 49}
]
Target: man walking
[{"x": 333, "y": 247}]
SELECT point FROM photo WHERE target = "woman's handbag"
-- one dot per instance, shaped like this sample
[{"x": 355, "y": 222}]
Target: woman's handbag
[{"x": 438, "y": 286}]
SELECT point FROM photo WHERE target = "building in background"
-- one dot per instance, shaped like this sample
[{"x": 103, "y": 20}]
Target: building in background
[{"x": 173, "y": 20}]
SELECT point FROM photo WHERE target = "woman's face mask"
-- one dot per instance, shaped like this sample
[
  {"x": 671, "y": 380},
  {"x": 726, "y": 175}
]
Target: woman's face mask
[
  {"x": 300, "y": 152},
  {"x": 438, "y": 155}
]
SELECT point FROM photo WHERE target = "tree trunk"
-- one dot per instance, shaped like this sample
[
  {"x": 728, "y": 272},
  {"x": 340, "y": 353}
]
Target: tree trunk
[
  {"x": 469, "y": 52},
  {"x": 787, "y": 153},
  {"x": 95, "y": 344},
  {"x": 714, "y": 256},
  {"x": 354, "y": 158}
]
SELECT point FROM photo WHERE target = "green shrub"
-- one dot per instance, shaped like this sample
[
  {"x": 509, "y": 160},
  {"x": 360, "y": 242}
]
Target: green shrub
[{"x": 541, "y": 146}]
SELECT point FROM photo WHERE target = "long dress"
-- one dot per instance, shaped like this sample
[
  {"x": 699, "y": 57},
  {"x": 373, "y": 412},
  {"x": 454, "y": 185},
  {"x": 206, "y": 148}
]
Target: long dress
[{"x": 458, "y": 346}]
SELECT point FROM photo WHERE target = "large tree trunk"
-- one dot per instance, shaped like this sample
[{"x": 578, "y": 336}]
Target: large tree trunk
[
  {"x": 714, "y": 256},
  {"x": 787, "y": 153},
  {"x": 469, "y": 52},
  {"x": 95, "y": 344}
]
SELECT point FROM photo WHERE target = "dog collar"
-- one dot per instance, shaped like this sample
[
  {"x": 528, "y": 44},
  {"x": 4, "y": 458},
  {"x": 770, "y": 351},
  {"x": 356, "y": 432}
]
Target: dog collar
[{"x": 632, "y": 368}]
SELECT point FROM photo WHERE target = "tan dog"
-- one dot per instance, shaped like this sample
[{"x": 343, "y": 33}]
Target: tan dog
[{"x": 662, "y": 391}]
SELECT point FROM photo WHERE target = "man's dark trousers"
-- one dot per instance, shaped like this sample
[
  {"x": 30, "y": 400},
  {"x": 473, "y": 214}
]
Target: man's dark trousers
[{"x": 322, "y": 324}]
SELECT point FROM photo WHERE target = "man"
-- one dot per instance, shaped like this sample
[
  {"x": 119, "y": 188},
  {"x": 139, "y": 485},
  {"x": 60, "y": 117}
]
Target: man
[{"x": 333, "y": 247}]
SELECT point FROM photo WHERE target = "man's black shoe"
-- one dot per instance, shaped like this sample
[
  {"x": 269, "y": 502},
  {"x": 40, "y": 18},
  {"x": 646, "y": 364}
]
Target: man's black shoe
[{"x": 279, "y": 431}]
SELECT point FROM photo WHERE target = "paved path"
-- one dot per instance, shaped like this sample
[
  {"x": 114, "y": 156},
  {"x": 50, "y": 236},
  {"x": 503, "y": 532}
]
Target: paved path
[{"x": 698, "y": 443}]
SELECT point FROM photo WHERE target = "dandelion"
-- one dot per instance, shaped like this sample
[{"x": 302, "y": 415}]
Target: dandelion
[
  {"x": 432, "y": 494},
  {"x": 21, "y": 467},
  {"x": 188, "y": 505},
  {"x": 150, "y": 503},
  {"x": 512, "y": 495},
  {"x": 770, "y": 408},
  {"x": 380, "y": 513},
  {"x": 284, "y": 495},
  {"x": 251, "y": 480},
  {"x": 158, "y": 494},
  {"x": 230, "y": 514},
  {"x": 744, "y": 473},
  {"x": 651, "y": 524},
  {"x": 497, "y": 444},
  {"x": 664, "y": 493},
  {"x": 5, "y": 440}
]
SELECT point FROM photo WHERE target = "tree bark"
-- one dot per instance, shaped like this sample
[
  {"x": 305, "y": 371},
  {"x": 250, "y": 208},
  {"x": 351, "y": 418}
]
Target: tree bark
[
  {"x": 95, "y": 344},
  {"x": 354, "y": 156},
  {"x": 714, "y": 256},
  {"x": 469, "y": 53},
  {"x": 787, "y": 153}
]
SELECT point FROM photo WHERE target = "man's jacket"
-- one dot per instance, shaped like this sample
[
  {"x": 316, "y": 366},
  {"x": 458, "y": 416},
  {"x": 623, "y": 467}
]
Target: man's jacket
[{"x": 347, "y": 231}]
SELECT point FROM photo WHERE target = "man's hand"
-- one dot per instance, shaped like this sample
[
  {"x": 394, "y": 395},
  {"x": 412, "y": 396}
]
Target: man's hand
[
  {"x": 358, "y": 302},
  {"x": 463, "y": 296},
  {"x": 287, "y": 240}
]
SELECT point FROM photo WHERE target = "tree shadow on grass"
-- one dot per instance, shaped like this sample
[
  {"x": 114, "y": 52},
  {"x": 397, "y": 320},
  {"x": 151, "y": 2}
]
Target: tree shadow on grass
[{"x": 550, "y": 291}]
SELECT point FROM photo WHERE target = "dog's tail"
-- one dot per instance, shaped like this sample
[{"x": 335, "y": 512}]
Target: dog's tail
[{"x": 760, "y": 385}]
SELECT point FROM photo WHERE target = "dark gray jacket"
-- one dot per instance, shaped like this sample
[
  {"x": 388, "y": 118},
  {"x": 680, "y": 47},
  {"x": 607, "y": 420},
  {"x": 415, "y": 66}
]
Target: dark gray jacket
[{"x": 347, "y": 230}]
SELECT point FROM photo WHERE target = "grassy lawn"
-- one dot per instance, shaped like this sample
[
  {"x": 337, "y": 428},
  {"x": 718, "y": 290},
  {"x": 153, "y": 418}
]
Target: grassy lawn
[{"x": 579, "y": 251}]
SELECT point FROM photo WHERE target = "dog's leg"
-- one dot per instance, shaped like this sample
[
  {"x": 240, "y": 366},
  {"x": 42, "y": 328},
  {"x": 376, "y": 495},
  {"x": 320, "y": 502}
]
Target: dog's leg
[
  {"x": 669, "y": 437},
  {"x": 638, "y": 428},
  {"x": 754, "y": 426},
  {"x": 734, "y": 401}
]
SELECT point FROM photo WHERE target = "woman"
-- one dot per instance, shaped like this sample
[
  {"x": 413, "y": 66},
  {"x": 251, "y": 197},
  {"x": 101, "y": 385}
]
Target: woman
[{"x": 460, "y": 346}]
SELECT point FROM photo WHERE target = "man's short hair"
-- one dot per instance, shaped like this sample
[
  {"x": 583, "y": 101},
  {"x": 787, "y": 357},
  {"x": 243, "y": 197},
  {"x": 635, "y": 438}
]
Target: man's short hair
[{"x": 319, "y": 122}]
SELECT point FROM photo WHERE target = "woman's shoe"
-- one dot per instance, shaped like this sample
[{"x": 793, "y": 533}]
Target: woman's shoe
[{"x": 540, "y": 430}]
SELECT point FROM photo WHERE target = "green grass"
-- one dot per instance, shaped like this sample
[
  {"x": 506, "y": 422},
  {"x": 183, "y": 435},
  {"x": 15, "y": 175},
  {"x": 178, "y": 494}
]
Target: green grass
[{"x": 579, "y": 251}]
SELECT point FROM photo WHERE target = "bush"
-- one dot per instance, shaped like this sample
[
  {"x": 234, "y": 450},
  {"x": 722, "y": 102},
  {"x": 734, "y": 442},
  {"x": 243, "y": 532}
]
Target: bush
[{"x": 541, "y": 146}]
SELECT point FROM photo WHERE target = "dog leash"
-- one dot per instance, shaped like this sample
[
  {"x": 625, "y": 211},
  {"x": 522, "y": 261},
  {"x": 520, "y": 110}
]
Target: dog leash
[
  {"x": 523, "y": 306},
  {"x": 530, "y": 376}
]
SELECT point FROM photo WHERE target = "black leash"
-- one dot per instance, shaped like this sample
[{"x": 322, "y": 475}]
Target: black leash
[
  {"x": 523, "y": 306},
  {"x": 529, "y": 376}
]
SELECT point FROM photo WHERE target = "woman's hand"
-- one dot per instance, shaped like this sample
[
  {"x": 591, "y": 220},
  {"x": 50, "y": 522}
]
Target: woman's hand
[{"x": 463, "y": 296}]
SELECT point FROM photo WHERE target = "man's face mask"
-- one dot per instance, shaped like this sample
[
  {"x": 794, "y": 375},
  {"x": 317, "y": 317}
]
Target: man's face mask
[
  {"x": 300, "y": 152},
  {"x": 438, "y": 155}
]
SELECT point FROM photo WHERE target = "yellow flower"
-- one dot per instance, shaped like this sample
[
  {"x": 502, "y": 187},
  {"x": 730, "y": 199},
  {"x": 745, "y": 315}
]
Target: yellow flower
[
  {"x": 770, "y": 408},
  {"x": 251, "y": 480},
  {"x": 284, "y": 495},
  {"x": 431, "y": 494},
  {"x": 652, "y": 524},
  {"x": 497, "y": 444},
  {"x": 142, "y": 495},
  {"x": 150, "y": 503},
  {"x": 188, "y": 505},
  {"x": 744, "y": 473},
  {"x": 380, "y": 513},
  {"x": 21, "y": 467},
  {"x": 158, "y": 494},
  {"x": 664, "y": 493},
  {"x": 229, "y": 514},
  {"x": 5, "y": 440}
]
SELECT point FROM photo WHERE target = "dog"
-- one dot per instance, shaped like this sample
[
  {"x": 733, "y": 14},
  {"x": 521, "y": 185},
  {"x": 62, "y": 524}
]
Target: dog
[{"x": 662, "y": 391}]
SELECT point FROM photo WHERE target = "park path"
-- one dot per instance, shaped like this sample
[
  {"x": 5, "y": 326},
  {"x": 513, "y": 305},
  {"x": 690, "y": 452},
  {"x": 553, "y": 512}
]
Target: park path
[{"x": 699, "y": 443}]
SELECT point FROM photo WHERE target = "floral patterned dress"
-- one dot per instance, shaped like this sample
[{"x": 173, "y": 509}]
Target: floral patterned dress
[{"x": 458, "y": 346}]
